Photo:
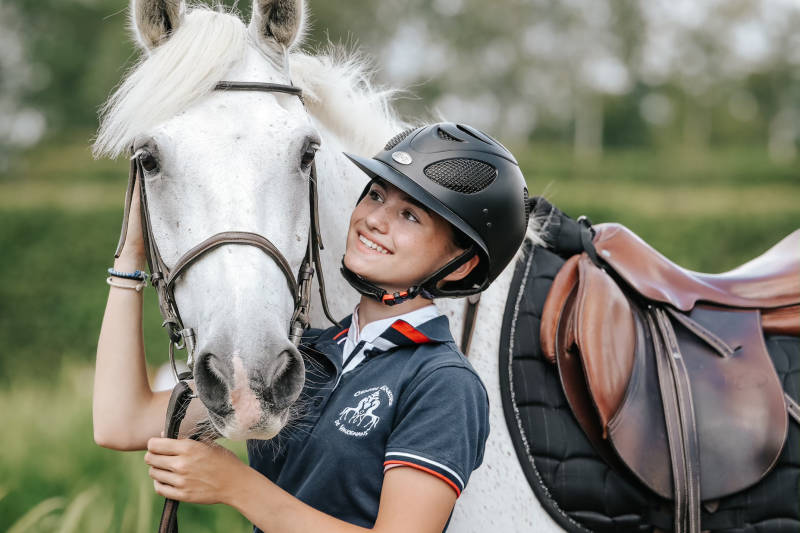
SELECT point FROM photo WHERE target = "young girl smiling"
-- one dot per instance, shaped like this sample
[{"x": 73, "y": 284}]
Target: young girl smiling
[{"x": 396, "y": 418}]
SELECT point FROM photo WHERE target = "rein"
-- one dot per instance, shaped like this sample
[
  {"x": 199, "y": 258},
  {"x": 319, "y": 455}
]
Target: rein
[{"x": 163, "y": 279}]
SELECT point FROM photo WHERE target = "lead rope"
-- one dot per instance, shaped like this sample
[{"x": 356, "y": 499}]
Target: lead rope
[{"x": 176, "y": 409}]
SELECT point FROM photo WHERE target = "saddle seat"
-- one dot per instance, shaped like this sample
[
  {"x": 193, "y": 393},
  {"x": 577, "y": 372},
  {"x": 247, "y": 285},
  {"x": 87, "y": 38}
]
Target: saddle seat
[{"x": 770, "y": 281}]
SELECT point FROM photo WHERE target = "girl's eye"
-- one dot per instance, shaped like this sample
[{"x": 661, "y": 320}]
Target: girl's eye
[
  {"x": 375, "y": 195},
  {"x": 410, "y": 216}
]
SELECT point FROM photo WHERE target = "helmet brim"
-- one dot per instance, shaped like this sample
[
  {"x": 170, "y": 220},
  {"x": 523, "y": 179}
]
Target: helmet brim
[{"x": 377, "y": 169}]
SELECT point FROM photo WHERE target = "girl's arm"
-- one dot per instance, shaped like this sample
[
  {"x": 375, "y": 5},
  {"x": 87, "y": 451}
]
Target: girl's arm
[
  {"x": 125, "y": 411},
  {"x": 411, "y": 500}
]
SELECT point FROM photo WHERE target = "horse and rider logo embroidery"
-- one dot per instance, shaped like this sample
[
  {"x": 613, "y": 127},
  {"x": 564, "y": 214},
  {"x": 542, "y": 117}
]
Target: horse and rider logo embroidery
[{"x": 357, "y": 421}]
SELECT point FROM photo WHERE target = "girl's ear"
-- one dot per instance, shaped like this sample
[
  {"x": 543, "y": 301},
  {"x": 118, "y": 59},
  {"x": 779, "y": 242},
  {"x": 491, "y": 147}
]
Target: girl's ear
[
  {"x": 154, "y": 20},
  {"x": 278, "y": 21},
  {"x": 464, "y": 270}
]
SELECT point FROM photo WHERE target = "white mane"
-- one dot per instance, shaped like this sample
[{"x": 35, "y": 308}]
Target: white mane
[
  {"x": 207, "y": 44},
  {"x": 339, "y": 93}
]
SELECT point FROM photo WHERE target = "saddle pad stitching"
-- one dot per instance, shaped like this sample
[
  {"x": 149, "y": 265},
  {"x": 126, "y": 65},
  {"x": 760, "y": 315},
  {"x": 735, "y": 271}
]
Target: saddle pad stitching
[{"x": 517, "y": 417}]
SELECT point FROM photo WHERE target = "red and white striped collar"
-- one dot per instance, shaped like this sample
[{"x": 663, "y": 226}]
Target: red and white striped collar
[{"x": 372, "y": 331}]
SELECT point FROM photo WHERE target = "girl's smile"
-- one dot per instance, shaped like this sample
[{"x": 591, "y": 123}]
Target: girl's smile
[{"x": 372, "y": 245}]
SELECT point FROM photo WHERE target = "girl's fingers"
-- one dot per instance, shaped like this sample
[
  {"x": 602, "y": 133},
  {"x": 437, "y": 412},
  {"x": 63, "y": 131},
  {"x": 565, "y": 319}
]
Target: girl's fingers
[
  {"x": 165, "y": 477},
  {"x": 164, "y": 446},
  {"x": 164, "y": 462},
  {"x": 167, "y": 491}
]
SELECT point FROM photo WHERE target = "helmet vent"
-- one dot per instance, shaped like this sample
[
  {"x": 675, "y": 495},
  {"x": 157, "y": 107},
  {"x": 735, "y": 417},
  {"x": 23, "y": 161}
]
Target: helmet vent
[
  {"x": 475, "y": 134},
  {"x": 462, "y": 175},
  {"x": 527, "y": 206},
  {"x": 446, "y": 136},
  {"x": 394, "y": 141}
]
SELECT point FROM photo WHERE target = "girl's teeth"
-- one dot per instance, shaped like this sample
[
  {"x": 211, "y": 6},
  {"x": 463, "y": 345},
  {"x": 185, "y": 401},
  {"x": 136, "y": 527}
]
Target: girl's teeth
[{"x": 372, "y": 245}]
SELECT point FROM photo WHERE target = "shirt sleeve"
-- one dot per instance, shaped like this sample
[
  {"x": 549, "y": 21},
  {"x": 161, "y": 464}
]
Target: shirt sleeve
[{"x": 441, "y": 426}]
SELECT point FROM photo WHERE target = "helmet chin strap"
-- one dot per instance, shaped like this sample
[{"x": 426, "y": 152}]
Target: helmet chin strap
[
  {"x": 426, "y": 288},
  {"x": 367, "y": 288}
]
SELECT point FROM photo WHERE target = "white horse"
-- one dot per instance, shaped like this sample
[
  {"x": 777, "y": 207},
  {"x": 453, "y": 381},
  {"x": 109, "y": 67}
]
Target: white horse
[{"x": 236, "y": 161}]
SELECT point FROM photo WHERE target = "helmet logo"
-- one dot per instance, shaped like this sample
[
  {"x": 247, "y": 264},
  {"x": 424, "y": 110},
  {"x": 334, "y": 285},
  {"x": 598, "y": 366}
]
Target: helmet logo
[{"x": 402, "y": 157}]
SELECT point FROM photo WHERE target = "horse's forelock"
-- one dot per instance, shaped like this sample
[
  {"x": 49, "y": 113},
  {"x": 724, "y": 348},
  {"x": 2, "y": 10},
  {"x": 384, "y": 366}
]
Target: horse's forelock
[{"x": 171, "y": 77}]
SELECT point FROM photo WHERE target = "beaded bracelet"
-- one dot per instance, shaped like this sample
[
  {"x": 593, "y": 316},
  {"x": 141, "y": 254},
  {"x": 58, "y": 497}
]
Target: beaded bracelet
[
  {"x": 139, "y": 275},
  {"x": 138, "y": 287}
]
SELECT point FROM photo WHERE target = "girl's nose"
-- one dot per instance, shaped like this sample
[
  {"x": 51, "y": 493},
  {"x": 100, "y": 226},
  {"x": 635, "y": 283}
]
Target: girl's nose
[{"x": 377, "y": 219}]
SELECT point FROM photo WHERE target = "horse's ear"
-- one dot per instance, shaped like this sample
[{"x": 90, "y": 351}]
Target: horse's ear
[
  {"x": 279, "y": 21},
  {"x": 154, "y": 20}
]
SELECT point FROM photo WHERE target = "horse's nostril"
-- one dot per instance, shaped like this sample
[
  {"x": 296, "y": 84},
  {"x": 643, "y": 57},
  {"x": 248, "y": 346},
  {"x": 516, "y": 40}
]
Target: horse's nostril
[
  {"x": 213, "y": 377},
  {"x": 287, "y": 377}
]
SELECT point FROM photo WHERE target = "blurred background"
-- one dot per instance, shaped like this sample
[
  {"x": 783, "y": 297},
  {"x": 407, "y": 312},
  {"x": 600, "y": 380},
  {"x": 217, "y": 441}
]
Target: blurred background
[{"x": 679, "y": 118}]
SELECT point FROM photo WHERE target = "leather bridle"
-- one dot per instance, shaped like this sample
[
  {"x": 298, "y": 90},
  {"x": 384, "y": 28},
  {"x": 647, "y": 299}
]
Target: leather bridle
[{"x": 163, "y": 277}]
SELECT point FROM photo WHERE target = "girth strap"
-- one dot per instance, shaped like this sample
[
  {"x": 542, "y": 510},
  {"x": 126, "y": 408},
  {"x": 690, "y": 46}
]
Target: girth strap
[{"x": 676, "y": 396}]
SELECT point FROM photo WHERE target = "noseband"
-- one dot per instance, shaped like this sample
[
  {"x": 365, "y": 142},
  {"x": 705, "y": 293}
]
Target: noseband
[{"x": 163, "y": 277}]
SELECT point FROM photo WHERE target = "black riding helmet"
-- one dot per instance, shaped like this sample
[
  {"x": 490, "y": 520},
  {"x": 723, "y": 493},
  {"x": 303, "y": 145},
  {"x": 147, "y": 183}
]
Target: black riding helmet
[{"x": 470, "y": 180}]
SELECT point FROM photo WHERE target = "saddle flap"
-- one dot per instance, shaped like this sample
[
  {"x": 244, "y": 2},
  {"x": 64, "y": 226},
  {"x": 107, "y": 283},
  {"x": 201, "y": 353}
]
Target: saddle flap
[{"x": 605, "y": 336}]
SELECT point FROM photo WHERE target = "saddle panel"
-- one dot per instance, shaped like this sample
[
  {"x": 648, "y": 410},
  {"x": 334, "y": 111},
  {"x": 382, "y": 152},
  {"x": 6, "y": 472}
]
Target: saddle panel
[{"x": 771, "y": 280}]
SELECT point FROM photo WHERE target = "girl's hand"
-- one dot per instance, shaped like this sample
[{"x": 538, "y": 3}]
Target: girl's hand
[
  {"x": 132, "y": 256},
  {"x": 191, "y": 471}
]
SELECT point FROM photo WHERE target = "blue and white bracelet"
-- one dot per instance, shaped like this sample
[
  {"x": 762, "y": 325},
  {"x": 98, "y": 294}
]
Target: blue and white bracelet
[{"x": 139, "y": 275}]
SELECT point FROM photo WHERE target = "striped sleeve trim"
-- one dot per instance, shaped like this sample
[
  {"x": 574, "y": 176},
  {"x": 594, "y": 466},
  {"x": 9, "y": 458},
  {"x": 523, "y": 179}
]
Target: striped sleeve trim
[
  {"x": 390, "y": 464},
  {"x": 436, "y": 468}
]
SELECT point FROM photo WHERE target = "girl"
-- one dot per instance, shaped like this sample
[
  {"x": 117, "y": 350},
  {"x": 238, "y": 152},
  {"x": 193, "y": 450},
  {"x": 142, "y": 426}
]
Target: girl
[{"x": 395, "y": 418}]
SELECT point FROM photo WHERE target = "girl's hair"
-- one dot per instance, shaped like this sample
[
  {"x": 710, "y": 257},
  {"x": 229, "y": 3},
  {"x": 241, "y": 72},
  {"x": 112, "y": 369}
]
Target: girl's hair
[{"x": 460, "y": 239}]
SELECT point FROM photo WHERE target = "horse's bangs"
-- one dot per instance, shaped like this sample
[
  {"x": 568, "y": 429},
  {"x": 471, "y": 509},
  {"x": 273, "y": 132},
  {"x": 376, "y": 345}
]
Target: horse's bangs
[{"x": 171, "y": 78}]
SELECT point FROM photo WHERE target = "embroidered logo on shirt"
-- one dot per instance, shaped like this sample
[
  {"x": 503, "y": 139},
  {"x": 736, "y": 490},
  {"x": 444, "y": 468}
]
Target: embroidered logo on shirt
[{"x": 357, "y": 421}]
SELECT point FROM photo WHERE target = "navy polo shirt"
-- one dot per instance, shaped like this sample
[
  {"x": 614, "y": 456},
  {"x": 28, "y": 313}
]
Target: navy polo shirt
[{"x": 415, "y": 402}]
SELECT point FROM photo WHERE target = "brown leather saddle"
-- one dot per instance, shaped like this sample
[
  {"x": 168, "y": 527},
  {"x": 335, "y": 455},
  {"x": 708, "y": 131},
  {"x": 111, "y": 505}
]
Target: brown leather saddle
[{"x": 666, "y": 369}]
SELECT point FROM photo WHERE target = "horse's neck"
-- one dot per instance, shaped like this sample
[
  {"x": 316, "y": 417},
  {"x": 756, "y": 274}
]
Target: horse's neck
[
  {"x": 339, "y": 183},
  {"x": 483, "y": 350}
]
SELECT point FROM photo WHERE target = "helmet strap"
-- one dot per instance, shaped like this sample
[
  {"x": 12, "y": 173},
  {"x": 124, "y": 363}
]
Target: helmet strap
[
  {"x": 367, "y": 288},
  {"x": 427, "y": 288},
  {"x": 429, "y": 284}
]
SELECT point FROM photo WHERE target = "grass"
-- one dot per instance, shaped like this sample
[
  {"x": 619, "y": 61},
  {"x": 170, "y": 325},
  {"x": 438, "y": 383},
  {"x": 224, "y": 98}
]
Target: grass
[
  {"x": 59, "y": 223},
  {"x": 55, "y": 479}
]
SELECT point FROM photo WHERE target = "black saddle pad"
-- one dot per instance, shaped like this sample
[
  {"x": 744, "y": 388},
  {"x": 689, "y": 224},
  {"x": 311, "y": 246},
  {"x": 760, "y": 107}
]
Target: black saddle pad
[{"x": 571, "y": 481}]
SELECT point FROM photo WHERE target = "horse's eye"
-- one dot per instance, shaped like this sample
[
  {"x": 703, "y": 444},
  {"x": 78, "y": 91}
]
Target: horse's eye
[
  {"x": 148, "y": 161},
  {"x": 308, "y": 156}
]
